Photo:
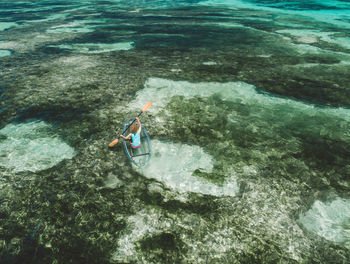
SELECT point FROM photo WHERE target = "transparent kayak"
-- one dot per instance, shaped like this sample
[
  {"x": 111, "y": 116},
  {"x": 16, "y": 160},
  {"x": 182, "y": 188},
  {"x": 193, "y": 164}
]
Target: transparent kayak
[{"x": 142, "y": 155}]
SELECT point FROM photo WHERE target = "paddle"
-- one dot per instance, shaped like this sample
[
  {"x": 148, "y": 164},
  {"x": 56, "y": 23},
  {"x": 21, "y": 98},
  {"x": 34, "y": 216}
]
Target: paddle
[{"x": 147, "y": 105}]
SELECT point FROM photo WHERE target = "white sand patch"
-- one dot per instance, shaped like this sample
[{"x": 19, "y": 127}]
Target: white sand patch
[
  {"x": 156, "y": 15},
  {"x": 308, "y": 36},
  {"x": 173, "y": 164},
  {"x": 76, "y": 61},
  {"x": 160, "y": 91},
  {"x": 229, "y": 24},
  {"x": 149, "y": 222},
  {"x": 4, "y": 53},
  {"x": 165, "y": 35},
  {"x": 113, "y": 181},
  {"x": 342, "y": 41},
  {"x": 264, "y": 55},
  {"x": 210, "y": 63},
  {"x": 95, "y": 48},
  {"x": 72, "y": 24},
  {"x": 70, "y": 29},
  {"x": 78, "y": 26},
  {"x": 307, "y": 39},
  {"x": 6, "y": 44},
  {"x": 145, "y": 222},
  {"x": 176, "y": 70},
  {"x": 17, "y": 46},
  {"x": 31, "y": 147},
  {"x": 304, "y": 48},
  {"x": 7, "y": 25},
  {"x": 330, "y": 220}
]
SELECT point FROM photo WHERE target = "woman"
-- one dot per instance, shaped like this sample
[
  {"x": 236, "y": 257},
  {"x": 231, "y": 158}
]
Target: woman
[{"x": 135, "y": 140}]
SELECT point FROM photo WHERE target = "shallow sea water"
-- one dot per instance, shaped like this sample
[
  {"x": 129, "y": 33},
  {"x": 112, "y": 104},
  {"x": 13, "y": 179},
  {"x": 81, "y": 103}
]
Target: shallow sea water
[{"x": 250, "y": 129}]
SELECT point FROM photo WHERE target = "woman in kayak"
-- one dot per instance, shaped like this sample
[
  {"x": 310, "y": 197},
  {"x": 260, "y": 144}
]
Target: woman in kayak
[{"x": 134, "y": 136}]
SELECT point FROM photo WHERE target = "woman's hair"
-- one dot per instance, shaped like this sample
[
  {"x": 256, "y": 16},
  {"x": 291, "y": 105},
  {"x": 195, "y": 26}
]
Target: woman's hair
[{"x": 133, "y": 128}]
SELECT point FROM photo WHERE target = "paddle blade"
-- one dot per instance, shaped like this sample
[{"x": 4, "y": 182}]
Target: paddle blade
[
  {"x": 147, "y": 105},
  {"x": 113, "y": 143}
]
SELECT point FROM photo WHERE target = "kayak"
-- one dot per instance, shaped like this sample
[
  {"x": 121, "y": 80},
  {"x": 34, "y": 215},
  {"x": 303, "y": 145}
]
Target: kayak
[{"x": 141, "y": 155}]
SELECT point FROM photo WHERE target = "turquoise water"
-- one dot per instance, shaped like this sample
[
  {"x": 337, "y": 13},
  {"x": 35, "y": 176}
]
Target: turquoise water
[{"x": 250, "y": 129}]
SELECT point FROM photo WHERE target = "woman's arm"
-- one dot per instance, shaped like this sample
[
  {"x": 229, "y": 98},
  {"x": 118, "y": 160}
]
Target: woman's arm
[
  {"x": 127, "y": 137},
  {"x": 140, "y": 126}
]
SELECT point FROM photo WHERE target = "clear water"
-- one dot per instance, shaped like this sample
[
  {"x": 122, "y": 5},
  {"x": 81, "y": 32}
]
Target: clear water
[{"x": 249, "y": 126}]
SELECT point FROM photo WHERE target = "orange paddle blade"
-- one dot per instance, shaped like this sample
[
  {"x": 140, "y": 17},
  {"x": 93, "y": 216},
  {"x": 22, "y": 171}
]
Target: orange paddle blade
[
  {"x": 147, "y": 105},
  {"x": 113, "y": 142}
]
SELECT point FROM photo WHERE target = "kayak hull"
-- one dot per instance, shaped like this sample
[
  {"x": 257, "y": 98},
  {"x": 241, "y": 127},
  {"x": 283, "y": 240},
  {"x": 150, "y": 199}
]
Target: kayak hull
[{"x": 139, "y": 156}]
